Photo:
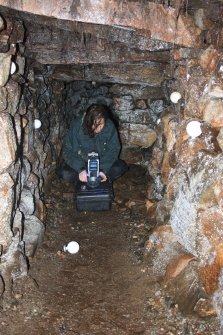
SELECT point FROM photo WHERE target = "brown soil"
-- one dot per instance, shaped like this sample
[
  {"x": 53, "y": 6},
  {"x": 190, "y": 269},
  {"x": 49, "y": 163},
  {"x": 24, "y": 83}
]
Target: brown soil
[{"x": 105, "y": 288}]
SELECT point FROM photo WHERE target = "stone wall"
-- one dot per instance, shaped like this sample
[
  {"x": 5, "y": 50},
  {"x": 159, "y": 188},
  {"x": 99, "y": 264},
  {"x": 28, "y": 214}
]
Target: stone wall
[
  {"x": 34, "y": 120},
  {"x": 191, "y": 170},
  {"x": 28, "y": 154},
  {"x": 135, "y": 109},
  {"x": 138, "y": 110},
  {"x": 186, "y": 174}
]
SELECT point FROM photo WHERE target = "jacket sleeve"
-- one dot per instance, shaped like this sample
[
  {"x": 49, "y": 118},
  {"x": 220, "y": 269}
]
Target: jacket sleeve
[
  {"x": 71, "y": 150},
  {"x": 111, "y": 151}
]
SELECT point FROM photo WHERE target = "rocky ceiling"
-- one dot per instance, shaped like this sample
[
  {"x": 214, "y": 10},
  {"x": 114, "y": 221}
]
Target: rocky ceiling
[{"x": 115, "y": 40}]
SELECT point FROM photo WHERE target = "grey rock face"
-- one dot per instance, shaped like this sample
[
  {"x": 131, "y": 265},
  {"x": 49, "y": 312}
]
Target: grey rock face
[
  {"x": 33, "y": 234},
  {"x": 27, "y": 202},
  {"x": 5, "y": 63},
  {"x": 8, "y": 142}
]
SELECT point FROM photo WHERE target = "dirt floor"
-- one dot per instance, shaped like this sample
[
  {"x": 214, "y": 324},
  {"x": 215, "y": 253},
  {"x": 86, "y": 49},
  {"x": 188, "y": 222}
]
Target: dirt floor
[{"x": 106, "y": 287}]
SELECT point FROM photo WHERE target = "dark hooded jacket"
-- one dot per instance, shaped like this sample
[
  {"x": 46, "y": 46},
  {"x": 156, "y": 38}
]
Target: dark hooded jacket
[{"x": 77, "y": 145}]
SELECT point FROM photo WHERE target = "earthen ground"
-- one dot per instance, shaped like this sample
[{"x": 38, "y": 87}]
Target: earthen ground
[{"x": 105, "y": 288}]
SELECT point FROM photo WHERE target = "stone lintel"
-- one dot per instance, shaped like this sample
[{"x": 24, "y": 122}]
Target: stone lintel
[
  {"x": 163, "y": 23},
  {"x": 151, "y": 74}
]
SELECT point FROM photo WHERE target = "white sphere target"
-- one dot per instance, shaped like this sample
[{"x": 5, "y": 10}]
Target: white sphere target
[
  {"x": 37, "y": 124},
  {"x": 72, "y": 247},
  {"x": 194, "y": 129},
  {"x": 175, "y": 97}
]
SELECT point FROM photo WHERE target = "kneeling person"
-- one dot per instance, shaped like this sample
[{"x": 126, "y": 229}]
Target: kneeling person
[{"x": 92, "y": 132}]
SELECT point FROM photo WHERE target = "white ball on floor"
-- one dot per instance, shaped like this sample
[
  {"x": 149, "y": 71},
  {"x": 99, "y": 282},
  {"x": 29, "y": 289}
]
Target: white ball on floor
[{"x": 72, "y": 247}]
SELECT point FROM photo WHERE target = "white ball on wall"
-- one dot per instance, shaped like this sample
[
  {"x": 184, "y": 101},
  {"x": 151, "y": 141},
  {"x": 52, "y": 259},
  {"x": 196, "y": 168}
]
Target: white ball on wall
[
  {"x": 175, "y": 97},
  {"x": 37, "y": 124},
  {"x": 194, "y": 129}
]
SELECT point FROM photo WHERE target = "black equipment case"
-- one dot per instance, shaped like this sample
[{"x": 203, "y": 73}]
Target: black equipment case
[{"x": 93, "y": 199}]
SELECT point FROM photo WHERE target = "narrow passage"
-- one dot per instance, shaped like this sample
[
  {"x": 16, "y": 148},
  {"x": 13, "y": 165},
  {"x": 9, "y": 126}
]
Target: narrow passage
[{"x": 105, "y": 288}]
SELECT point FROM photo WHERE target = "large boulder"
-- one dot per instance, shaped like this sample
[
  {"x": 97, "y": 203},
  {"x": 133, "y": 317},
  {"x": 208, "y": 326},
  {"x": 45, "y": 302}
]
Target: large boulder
[{"x": 137, "y": 134}]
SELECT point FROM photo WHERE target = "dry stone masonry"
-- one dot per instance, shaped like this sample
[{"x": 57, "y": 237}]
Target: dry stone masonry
[
  {"x": 27, "y": 154},
  {"x": 56, "y": 59}
]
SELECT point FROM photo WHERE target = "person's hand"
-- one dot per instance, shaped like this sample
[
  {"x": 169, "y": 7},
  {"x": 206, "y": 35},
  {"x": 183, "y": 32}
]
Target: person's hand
[
  {"x": 103, "y": 176},
  {"x": 83, "y": 176}
]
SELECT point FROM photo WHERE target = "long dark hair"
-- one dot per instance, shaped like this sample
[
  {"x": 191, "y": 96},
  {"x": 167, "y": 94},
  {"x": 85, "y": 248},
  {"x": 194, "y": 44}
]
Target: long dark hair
[{"x": 93, "y": 113}]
